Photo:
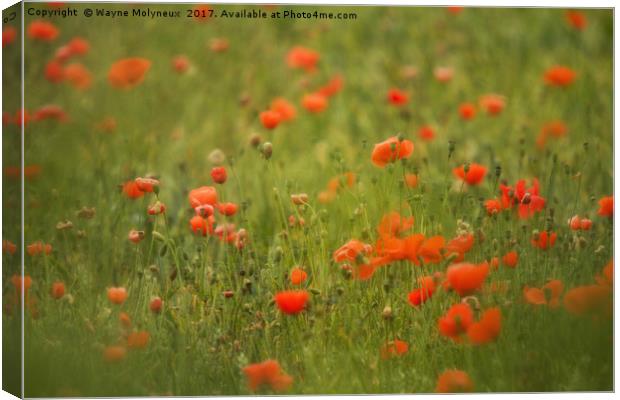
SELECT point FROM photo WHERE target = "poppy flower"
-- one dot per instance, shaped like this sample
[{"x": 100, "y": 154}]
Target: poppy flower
[
  {"x": 200, "y": 225},
  {"x": 54, "y": 72},
  {"x": 8, "y": 247},
  {"x": 544, "y": 240},
  {"x": 267, "y": 373},
  {"x": 391, "y": 150},
  {"x": 393, "y": 224},
  {"x": 125, "y": 320},
  {"x": 219, "y": 45},
  {"x": 42, "y": 30},
  {"x": 553, "y": 129},
  {"x": 270, "y": 119},
  {"x": 78, "y": 75},
  {"x": 589, "y": 299},
  {"x": 117, "y": 295},
  {"x": 157, "y": 208},
  {"x": 50, "y": 111},
  {"x": 78, "y": 46},
  {"x": 314, "y": 102},
  {"x": 456, "y": 321},
  {"x": 202, "y": 12},
  {"x": 492, "y": 103},
  {"x": 586, "y": 224},
  {"x": 180, "y": 64},
  {"x": 131, "y": 190},
  {"x": 204, "y": 195},
  {"x": 147, "y": 185},
  {"x": 128, "y": 72},
  {"x": 472, "y": 174},
  {"x": 459, "y": 246},
  {"x": 21, "y": 283},
  {"x": 114, "y": 353},
  {"x": 576, "y": 19},
  {"x": 332, "y": 87},
  {"x": 291, "y": 302},
  {"x": 304, "y": 58},
  {"x": 39, "y": 247},
  {"x": 411, "y": 180},
  {"x": 549, "y": 294},
  {"x": 58, "y": 290},
  {"x": 394, "y": 348},
  {"x": 156, "y": 304},
  {"x": 455, "y": 10},
  {"x": 493, "y": 206},
  {"x": 487, "y": 329},
  {"x": 218, "y": 174},
  {"x": 443, "y": 74},
  {"x": 422, "y": 294},
  {"x": 298, "y": 276},
  {"x": 510, "y": 259},
  {"x": 559, "y": 75},
  {"x": 397, "y": 97},
  {"x": 285, "y": 109},
  {"x": 606, "y": 206},
  {"x": 426, "y": 132},
  {"x": 227, "y": 209},
  {"x": 467, "y": 111},
  {"x": 607, "y": 277},
  {"x": 135, "y": 236},
  {"x": 429, "y": 249},
  {"x": 351, "y": 250},
  {"x": 8, "y": 35},
  {"x": 454, "y": 381},
  {"x": 466, "y": 278},
  {"x": 528, "y": 200},
  {"x": 138, "y": 340}
]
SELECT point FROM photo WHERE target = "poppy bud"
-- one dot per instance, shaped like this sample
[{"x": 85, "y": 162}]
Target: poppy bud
[
  {"x": 255, "y": 140},
  {"x": 387, "y": 313},
  {"x": 135, "y": 236},
  {"x": 267, "y": 150}
]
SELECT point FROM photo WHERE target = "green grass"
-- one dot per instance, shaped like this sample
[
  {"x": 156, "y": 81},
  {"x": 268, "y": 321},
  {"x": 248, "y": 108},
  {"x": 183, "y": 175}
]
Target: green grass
[{"x": 202, "y": 340}]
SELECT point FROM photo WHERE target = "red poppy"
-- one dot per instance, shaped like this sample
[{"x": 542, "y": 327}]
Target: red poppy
[
  {"x": 472, "y": 174},
  {"x": 78, "y": 46},
  {"x": 8, "y": 247},
  {"x": 590, "y": 299},
  {"x": 42, "y": 30},
  {"x": 39, "y": 247},
  {"x": 204, "y": 195},
  {"x": 138, "y": 340},
  {"x": 270, "y": 119},
  {"x": 456, "y": 321},
  {"x": 455, "y": 9},
  {"x": 314, "y": 102},
  {"x": 114, "y": 353},
  {"x": 301, "y": 57},
  {"x": 351, "y": 250},
  {"x": 397, "y": 97},
  {"x": 544, "y": 240},
  {"x": 227, "y": 209},
  {"x": 50, "y": 111},
  {"x": 459, "y": 246},
  {"x": 180, "y": 64},
  {"x": 200, "y": 225},
  {"x": 332, "y": 87},
  {"x": 487, "y": 329},
  {"x": 411, "y": 180},
  {"x": 423, "y": 293},
  {"x": 156, "y": 305},
  {"x": 58, "y": 290},
  {"x": 528, "y": 199},
  {"x": 8, "y": 35},
  {"x": 219, "y": 175},
  {"x": 117, "y": 295},
  {"x": 291, "y": 302},
  {"x": 157, "y": 208},
  {"x": 284, "y": 108},
  {"x": 454, "y": 381},
  {"x": 393, "y": 224},
  {"x": 219, "y": 45},
  {"x": 537, "y": 296},
  {"x": 146, "y": 185},
  {"x": 492, "y": 103},
  {"x": 131, "y": 190},
  {"x": 443, "y": 74},
  {"x": 576, "y": 19},
  {"x": 606, "y": 206},
  {"x": 466, "y": 278},
  {"x": 78, "y": 75},
  {"x": 426, "y": 132},
  {"x": 493, "y": 206},
  {"x": 267, "y": 373},
  {"x": 54, "y": 72},
  {"x": 391, "y": 150},
  {"x": 559, "y": 75},
  {"x": 467, "y": 111},
  {"x": 394, "y": 348},
  {"x": 298, "y": 276},
  {"x": 510, "y": 259},
  {"x": 128, "y": 73}
]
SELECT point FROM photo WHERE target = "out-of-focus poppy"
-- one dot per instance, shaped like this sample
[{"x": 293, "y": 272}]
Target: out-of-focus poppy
[
  {"x": 467, "y": 111},
  {"x": 544, "y": 240},
  {"x": 606, "y": 206},
  {"x": 472, "y": 174},
  {"x": 78, "y": 75},
  {"x": 397, "y": 97},
  {"x": 284, "y": 108},
  {"x": 291, "y": 302},
  {"x": 131, "y": 190},
  {"x": 298, "y": 276},
  {"x": 314, "y": 102},
  {"x": 8, "y": 35},
  {"x": 138, "y": 340},
  {"x": 466, "y": 278},
  {"x": 267, "y": 373},
  {"x": 549, "y": 294},
  {"x": 456, "y": 321},
  {"x": 510, "y": 259},
  {"x": 304, "y": 58},
  {"x": 493, "y": 103},
  {"x": 391, "y": 150},
  {"x": 58, "y": 290},
  {"x": 487, "y": 329},
  {"x": 117, "y": 295},
  {"x": 559, "y": 75},
  {"x": 42, "y": 30},
  {"x": 39, "y": 247},
  {"x": 394, "y": 348},
  {"x": 576, "y": 19},
  {"x": 204, "y": 195},
  {"x": 454, "y": 381},
  {"x": 114, "y": 353},
  {"x": 128, "y": 72},
  {"x": 270, "y": 119}
]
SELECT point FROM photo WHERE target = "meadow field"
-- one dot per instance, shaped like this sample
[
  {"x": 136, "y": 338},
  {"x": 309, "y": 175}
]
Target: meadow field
[{"x": 390, "y": 200}]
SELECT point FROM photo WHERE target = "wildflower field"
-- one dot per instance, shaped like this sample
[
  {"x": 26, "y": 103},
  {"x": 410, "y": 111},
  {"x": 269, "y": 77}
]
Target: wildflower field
[{"x": 393, "y": 200}]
